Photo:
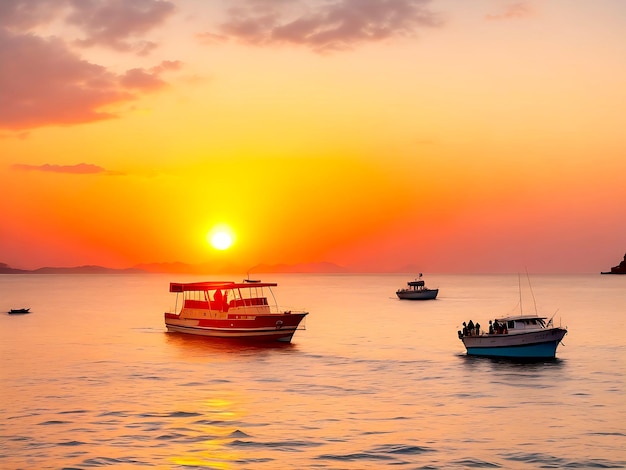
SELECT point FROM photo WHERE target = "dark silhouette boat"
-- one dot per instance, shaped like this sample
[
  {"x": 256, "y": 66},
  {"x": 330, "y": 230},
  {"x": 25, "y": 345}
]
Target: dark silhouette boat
[
  {"x": 15, "y": 311},
  {"x": 417, "y": 290}
]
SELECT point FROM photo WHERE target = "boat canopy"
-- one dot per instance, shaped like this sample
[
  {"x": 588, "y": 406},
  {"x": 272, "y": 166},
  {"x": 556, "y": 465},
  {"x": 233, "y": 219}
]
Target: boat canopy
[
  {"x": 520, "y": 318},
  {"x": 214, "y": 285},
  {"x": 415, "y": 283}
]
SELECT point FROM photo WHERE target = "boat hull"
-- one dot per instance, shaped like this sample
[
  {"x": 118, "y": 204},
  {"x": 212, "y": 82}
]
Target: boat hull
[
  {"x": 18, "y": 311},
  {"x": 272, "y": 327},
  {"x": 536, "y": 344},
  {"x": 426, "y": 294}
]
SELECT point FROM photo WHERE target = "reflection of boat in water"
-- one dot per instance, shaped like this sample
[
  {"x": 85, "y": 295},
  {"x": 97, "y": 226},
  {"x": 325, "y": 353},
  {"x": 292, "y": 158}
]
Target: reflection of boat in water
[
  {"x": 15, "y": 311},
  {"x": 417, "y": 290},
  {"x": 515, "y": 336},
  {"x": 197, "y": 345},
  {"x": 224, "y": 309}
]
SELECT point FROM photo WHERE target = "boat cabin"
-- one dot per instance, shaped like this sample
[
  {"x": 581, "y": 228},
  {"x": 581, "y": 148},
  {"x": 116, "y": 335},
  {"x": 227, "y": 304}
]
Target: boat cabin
[
  {"x": 523, "y": 323},
  {"x": 222, "y": 299},
  {"x": 415, "y": 285}
]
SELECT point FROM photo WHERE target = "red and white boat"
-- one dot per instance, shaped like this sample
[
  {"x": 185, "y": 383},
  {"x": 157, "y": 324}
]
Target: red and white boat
[{"x": 224, "y": 309}]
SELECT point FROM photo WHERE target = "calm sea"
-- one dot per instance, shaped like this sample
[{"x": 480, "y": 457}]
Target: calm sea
[{"x": 90, "y": 379}]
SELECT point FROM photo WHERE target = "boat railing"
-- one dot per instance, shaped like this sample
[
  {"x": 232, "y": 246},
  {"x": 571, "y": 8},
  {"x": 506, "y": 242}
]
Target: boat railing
[
  {"x": 191, "y": 303},
  {"x": 248, "y": 302}
]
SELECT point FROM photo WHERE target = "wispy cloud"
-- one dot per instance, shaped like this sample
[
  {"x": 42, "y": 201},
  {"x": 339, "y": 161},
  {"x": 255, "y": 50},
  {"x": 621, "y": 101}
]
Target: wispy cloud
[
  {"x": 75, "y": 91},
  {"x": 44, "y": 81},
  {"x": 119, "y": 24},
  {"x": 326, "y": 26},
  {"x": 23, "y": 15},
  {"x": 78, "y": 169},
  {"x": 512, "y": 11}
]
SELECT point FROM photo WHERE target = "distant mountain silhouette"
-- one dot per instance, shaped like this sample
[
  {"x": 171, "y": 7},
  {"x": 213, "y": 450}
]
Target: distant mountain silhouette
[
  {"x": 6, "y": 269},
  {"x": 323, "y": 267},
  {"x": 185, "y": 268},
  {"x": 181, "y": 268},
  {"x": 89, "y": 269}
]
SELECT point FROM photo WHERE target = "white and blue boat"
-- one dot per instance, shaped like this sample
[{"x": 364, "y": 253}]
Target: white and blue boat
[{"x": 521, "y": 336}]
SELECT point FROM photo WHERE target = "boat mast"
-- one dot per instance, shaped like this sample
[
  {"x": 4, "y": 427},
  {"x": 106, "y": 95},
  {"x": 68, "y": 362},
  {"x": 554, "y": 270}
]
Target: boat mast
[
  {"x": 531, "y": 291},
  {"x": 519, "y": 288}
]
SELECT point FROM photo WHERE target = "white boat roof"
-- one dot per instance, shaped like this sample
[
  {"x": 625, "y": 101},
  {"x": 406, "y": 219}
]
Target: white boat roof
[
  {"x": 521, "y": 318},
  {"x": 215, "y": 285}
]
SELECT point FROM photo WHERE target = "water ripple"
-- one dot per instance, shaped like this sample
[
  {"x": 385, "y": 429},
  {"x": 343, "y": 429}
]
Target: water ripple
[
  {"x": 402, "y": 449},
  {"x": 354, "y": 457},
  {"x": 476, "y": 463},
  {"x": 109, "y": 461},
  {"x": 550, "y": 461},
  {"x": 278, "y": 444}
]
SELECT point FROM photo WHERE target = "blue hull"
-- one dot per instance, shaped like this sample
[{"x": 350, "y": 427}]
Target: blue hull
[{"x": 536, "y": 351}]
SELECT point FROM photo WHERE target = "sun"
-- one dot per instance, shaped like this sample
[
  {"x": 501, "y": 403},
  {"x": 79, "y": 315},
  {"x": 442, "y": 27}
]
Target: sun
[{"x": 221, "y": 240}]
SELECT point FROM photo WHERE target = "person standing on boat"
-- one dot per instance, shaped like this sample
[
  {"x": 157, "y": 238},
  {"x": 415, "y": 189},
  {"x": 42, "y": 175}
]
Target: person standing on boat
[
  {"x": 225, "y": 302},
  {"x": 490, "y": 327},
  {"x": 465, "y": 329},
  {"x": 470, "y": 328},
  {"x": 217, "y": 299},
  {"x": 477, "y": 329}
]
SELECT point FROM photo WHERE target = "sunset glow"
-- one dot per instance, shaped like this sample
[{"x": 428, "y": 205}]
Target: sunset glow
[{"x": 419, "y": 135}]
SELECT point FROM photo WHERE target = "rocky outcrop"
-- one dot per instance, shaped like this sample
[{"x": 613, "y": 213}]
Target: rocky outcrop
[{"x": 619, "y": 269}]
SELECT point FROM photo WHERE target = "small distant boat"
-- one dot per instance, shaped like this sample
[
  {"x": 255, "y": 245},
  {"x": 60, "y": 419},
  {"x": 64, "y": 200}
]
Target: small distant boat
[
  {"x": 417, "y": 290},
  {"x": 14, "y": 311},
  {"x": 516, "y": 336},
  {"x": 224, "y": 309}
]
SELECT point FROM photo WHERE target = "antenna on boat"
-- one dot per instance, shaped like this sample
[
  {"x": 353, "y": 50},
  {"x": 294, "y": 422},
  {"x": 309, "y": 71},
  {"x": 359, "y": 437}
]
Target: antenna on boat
[{"x": 550, "y": 320}]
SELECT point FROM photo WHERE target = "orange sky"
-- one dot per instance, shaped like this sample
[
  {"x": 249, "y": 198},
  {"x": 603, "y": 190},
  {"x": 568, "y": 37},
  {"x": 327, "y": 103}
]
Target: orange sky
[{"x": 483, "y": 136}]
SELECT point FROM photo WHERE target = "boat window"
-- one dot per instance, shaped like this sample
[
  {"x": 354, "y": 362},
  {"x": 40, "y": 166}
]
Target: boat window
[{"x": 510, "y": 324}]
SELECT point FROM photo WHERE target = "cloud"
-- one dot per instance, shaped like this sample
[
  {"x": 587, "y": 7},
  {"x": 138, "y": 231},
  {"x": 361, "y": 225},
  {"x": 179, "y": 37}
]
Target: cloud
[
  {"x": 44, "y": 83},
  {"x": 331, "y": 25},
  {"x": 167, "y": 66},
  {"x": 144, "y": 80},
  {"x": 514, "y": 11},
  {"x": 80, "y": 168},
  {"x": 23, "y": 15},
  {"x": 140, "y": 79},
  {"x": 118, "y": 24},
  {"x": 211, "y": 38}
]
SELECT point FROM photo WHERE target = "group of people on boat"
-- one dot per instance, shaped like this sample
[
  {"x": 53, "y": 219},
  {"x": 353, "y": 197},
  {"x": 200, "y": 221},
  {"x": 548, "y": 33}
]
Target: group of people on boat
[
  {"x": 473, "y": 329},
  {"x": 498, "y": 328}
]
